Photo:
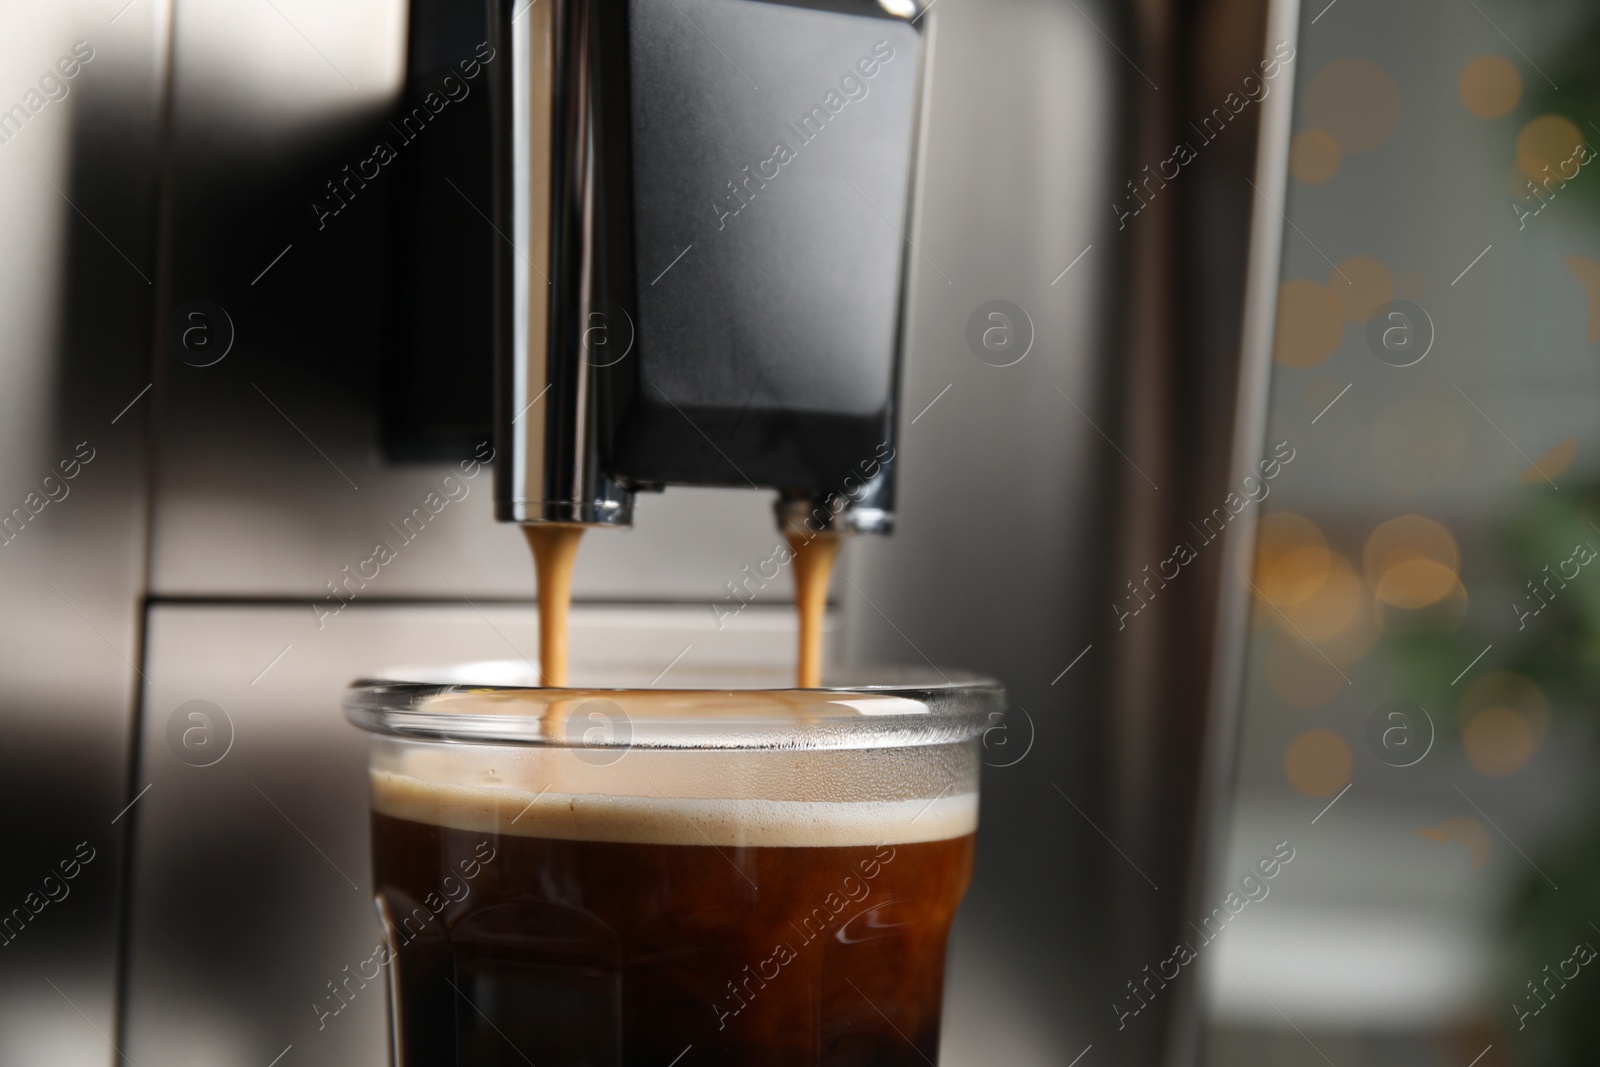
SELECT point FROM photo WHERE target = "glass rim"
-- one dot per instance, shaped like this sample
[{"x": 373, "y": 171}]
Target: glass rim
[{"x": 893, "y": 707}]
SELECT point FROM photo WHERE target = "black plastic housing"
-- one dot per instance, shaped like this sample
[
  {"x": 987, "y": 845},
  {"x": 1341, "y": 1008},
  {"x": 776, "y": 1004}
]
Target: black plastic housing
[{"x": 772, "y": 148}]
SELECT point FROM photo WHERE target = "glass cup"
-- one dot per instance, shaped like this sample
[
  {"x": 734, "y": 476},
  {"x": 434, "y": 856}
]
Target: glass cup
[{"x": 732, "y": 874}]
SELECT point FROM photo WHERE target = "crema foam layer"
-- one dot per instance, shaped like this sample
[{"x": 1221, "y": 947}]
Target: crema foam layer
[{"x": 664, "y": 820}]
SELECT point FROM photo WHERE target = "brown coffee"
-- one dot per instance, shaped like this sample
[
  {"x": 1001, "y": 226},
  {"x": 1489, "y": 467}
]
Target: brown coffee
[
  {"x": 589, "y": 930},
  {"x": 814, "y": 556},
  {"x": 555, "y": 548}
]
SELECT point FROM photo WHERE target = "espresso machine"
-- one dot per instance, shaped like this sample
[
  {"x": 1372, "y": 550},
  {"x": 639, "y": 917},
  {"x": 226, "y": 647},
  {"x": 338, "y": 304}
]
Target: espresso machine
[{"x": 328, "y": 290}]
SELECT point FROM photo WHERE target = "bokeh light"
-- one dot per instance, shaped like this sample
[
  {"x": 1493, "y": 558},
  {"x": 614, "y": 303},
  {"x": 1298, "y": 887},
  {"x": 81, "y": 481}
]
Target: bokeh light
[
  {"x": 1314, "y": 156},
  {"x": 1318, "y": 763},
  {"x": 1587, "y": 271},
  {"x": 1490, "y": 86},
  {"x": 1310, "y": 323},
  {"x": 1549, "y": 141},
  {"x": 1466, "y": 832},
  {"x": 1411, "y": 561},
  {"x": 1498, "y": 742},
  {"x": 1415, "y": 584},
  {"x": 1362, "y": 285},
  {"x": 1356, "y": 101},
  {"x": 1291, "y": 558},
  {"x": 1553, "y": 464},
  {"x": 1504, "y": 718},
  {"x": 1332, "y": 607}
]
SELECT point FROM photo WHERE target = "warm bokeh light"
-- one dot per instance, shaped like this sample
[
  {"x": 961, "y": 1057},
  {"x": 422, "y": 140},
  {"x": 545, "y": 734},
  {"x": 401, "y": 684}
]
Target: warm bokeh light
[
  {"x": 1447, "y": 613},
  {"x": 1510, "y": 690},
  {"x": 1490, "y": 86},
  {"x": 1356, "y": 101},
  {"x": 1415, "y": 584},
  {"x": 1549, "y": 141},
  {"x": 1418, "y": 445},
  {"x": 1304, "y": 671},
  {"x": 1318, "y": 763},
  {"x": 1406, "y": 538},
  {"x": 1411, "y": 562},
  {"x": 1291, "y": 558},
  {"x": 1552, "y": 464},
  {"x": 1362, "y": 285},
  {"x": 1444, "y": 613},
  {"x": 1468, "y": 833},
  {"x": 1314, "y": 156},
  {"x": 1504, "y": 718},
  {"x": 1332, "y": 607},
  {"x": 1497, "y": 742},
  {"x": 1310, "y": 323},
  {"x": 1587, "y": 271}
]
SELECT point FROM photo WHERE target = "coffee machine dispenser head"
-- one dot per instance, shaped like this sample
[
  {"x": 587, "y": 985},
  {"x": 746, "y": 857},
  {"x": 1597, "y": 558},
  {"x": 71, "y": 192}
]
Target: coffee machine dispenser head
[{"x": 705, "y": 206}]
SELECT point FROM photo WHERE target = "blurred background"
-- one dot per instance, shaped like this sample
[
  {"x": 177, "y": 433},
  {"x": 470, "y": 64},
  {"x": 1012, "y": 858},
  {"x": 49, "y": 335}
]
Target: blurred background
[
  {"x": 1279, "y": 534},
  {"x": 1420, "y": 650}
]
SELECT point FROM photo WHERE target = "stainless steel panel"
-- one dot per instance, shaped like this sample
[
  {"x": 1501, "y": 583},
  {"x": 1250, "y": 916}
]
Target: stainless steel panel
[
  {"x": 78, "y": 162},
  {"x": 250, "y": 888},
  {"x": 268, "y": 479},
  {"x": 1005, "y": 502}
]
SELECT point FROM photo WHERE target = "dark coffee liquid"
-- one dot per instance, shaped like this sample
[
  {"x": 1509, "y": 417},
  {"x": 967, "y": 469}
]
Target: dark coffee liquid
[{"x": 511, "y": 950}]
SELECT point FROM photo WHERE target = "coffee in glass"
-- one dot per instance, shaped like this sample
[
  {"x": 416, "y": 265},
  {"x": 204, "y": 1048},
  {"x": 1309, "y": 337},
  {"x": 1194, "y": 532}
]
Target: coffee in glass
[{"x": 728, "y": 875}]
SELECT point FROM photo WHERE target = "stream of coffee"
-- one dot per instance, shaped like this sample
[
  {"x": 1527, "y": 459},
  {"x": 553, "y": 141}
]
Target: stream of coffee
[
  {"x": 814, "y": 556},
  {"x": 555, "y": 546}
]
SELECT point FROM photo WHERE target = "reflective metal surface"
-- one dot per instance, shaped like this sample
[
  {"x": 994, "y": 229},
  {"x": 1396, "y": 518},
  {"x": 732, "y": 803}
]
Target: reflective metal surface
[
  {"x": 80, "y": 138},
  {"x": 557, "y": 127}
]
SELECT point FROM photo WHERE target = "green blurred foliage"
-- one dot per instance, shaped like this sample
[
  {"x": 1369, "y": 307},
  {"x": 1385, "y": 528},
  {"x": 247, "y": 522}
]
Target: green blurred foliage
[
  {"x": 1575, "y": 67},
  {"x": 1559, "y": 649}
]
